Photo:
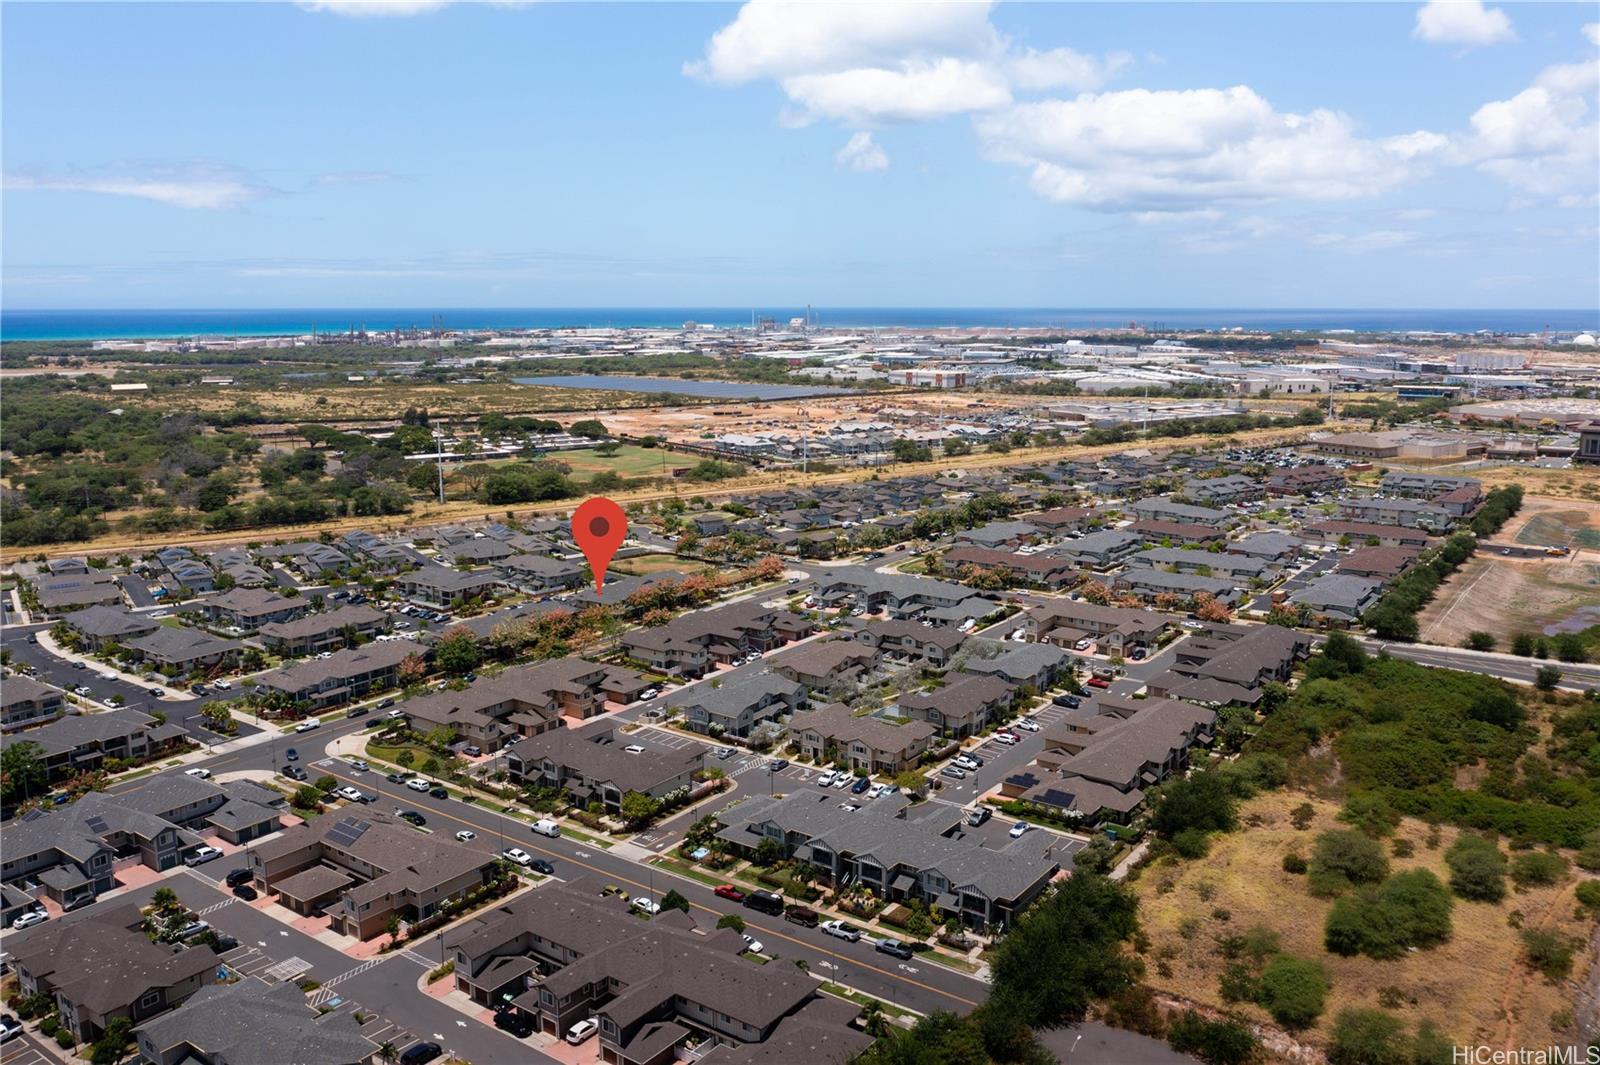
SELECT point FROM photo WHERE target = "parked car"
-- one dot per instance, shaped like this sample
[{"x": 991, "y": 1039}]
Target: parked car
[
  {"x": 222, "y": 685},
  {"x": 861, "y": 785},
  {"x": 517, "y": 1023},
  {"x": 198, "y": 771},
  {"x": 979, "y": 815},
  {"x": 421, "y": 1054},
  {"x": 10, "y": 1027},
  {"x": 802, "y": 915},
  {"x": 1099, "y": 682},
  {"x": 359, "y": 765},
  {"x": 438, "y": 792},
  {"x": 582, "y": 1030},
  {"x": 967, "y": 761},
  {"x": 29, "y": 919},
  {"x": 1019, "y": 829},
  {"x": 358, "y": 711},
  {"x": 310, "y": 724},
  {"x": 840, "y": 930},
  {"x": 725, "y": 752},
  {"x": 546, "y": 827},
  {"x": 752, "y": 944},
  {"x": 645, "y": 904},
  {"x": 1027, "y": 724},
  {"x": 953, "y": 772},
  {"x": 894, "y": 948},
  {"x": 294, "y": 772},
  {"x": 398, "y": 777},
  {"x": 1071, "y": 702},
  {"x": 517, "y": 855},
  {"x": 417, "y": 784},
  {"x": 543, "y": 867},
  {"x": 411, "y": 816},
  {"x": 236, "y": 877},
  {"x": 466, "y": 835},
  {"x": 729, "y": 892},
  {"x": 1007, "y": 738},
  {"x": 202, "y": 855},
  {"x": 246, "y": 893},
  {"x": 633, "y": 748},
  {"x": 349, "y": 794},
  {"x": 777, "y": 765},
  {"x": 826, "y": 779}
]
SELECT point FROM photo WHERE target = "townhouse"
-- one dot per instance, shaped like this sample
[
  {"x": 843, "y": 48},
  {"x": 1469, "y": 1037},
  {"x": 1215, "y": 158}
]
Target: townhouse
[
  {"x": 826, "y": 663},
  {"x": 1381, "y": 564},
  {"x": 540, "y": 573},
  {"x": 477, "y": 552},
  {"x": 1165, "y": 508},
  {"x": 1149, "y": 583},
  {"x": 1366, "y": 532},
  {"x": 863, "y": 742},
  {"x": 25, "y": 702},
  {"x": 1238, "y": 568},
  {"x": 1339, "y": 597},
  {"x": 440, "y": 588},
  {"x": 236, "y": 1024},
  {"x": 349, "y": 674},
  {"x": 178, "y": 650},
  {"x": 1062, "y": 519},
  {"x": 1151, "y": 531},
  {"x": 1117, "y": 630},
  {"x": 1412, "y": 513},
  {"x": 961, "y": 706},
  {"x": 323, "y": 631},
  {"x": 59, "y": 595},
  {"x": 1426, "y": 485},
  {"x": 900, "y": 852},
  {"x": 739, "y": 704},
  {"x": 619, "y": 588},
  {"x": 99, "y": 627},
  {"x": 998, "y": 534},
  {"x": 1305, "y": 480},
  {"x": 77, "y": 743},
  {"x": 1023, "y": 665},
  {"x": 1277, "y": 547},
  {"x": 99, "y": 966},
  {"x": 524, "y": 700},
  {"x": 662, "y": 990},
  {"x": 930, "y": 646},
  {"x": 358, "y": 870},
  {"x": 247, "y": 609},
  {"x": 1101, "y": 550},
  {"x": 691, "y": 644},
  {"x": 314, "y": 560},
  {"x": 1228, "y": 664},
  {"x": 901, "y": 595},
  {"x": 1221, "y": 491},
  {"x": 237, "y": 566},
  {"x": 590, "y": 766},
  {"x": 1048, "y": 570},
  {"x": 1098, "y": 763}
]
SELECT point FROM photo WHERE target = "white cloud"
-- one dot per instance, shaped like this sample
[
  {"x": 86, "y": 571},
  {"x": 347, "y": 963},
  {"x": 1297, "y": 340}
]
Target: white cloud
[
  {"x": 863, "y": 154},
  {"x": 1592, "y": 31},
  {"x": 374, "y": 8},
  {"x": 1376, "y": 240},
  {"x": 868, "y": 63},
  {"x": 201, "y": 193},
  {"x": 1543, "y": 141},
  {"x": 1184, "y": 150},
  {"x": 1464, "y": 22}
]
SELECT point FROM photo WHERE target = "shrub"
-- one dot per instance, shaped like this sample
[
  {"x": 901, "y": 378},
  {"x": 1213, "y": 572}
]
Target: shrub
[
  {"x": 1294, "y": 863},
  {"x": 1589, "y": 894},
  {"x": 1135, "y": 1010},
  {"x": 64, "y": 1039},
  {"x": 1344, "y": 857},
  {"x": 1292, "y": 990},
  {"x": 1191, "y": 843},
  {"x": 1367, "y": 1037},
  {"x": 1549, "y": 953},
  {"x": 1225, "y": 1042},
  {"x": 1302, "y": 815},
  {"x": 1410, "y": 909},
  {"x": 1477, "y": 869},
  {"x": 1538, "y": 869},
  {"x": 1203, "y": 801},
  {"x": 1371, "y": 814}
]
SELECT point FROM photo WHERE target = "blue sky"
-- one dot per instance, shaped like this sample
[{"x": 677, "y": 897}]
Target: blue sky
[{"x": 431, "y": 154}]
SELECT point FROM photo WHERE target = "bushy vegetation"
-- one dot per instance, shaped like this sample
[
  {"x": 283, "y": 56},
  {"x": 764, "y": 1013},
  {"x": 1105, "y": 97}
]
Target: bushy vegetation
[
  {"x": 1394, "y": 617},
  {"x": 1410, "y": 909},
  {"x": 1477, "y": 869}
]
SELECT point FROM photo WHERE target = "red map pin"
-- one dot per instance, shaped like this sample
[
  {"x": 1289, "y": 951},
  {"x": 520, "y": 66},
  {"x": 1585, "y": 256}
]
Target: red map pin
[{"x": 598, "y": 526}]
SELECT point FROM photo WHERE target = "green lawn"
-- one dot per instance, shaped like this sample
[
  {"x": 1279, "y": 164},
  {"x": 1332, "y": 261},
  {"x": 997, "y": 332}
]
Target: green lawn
[{"x": 629, "y": 461}]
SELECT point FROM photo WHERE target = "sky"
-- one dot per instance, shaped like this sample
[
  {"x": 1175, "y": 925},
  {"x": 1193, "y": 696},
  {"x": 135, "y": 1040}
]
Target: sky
[{"x": 415, "y": 153}]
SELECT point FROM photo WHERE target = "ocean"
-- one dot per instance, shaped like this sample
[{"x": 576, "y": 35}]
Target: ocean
[{"x": 114, "y": 324}]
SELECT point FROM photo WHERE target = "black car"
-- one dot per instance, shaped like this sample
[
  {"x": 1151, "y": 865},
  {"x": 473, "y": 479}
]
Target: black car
[
  {"x": 397, "y": 778},
  {"x": 294, "y": 772},
  {"x": 222, "y": 942},
  {"x": 412, "y": 816},
  {"x": 894, "y": 948},
  {"x": 539, "y": 865},
  {"x": 1071, "y": 702},
  {"x": 518, "y": 1024},
  {"x": 245, "y": 892},
  {"x": 421, "y": 1053},
  {"x": 236, "y": 877},
  {"x": 358, "y": 711},
  {"x": 291, "y": 755},
  {"x": 438, "y": 793},
  {"x": 384, "y": 704}
]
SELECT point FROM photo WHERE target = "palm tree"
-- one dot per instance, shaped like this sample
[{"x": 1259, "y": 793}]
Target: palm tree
[{"x": 387, "y": 1052}]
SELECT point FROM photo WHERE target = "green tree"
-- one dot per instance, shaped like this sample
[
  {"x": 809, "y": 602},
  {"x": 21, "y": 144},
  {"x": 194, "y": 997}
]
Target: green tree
[
  {"x": 1479, "y": 641},
  {"x": 1224, "y": 1042},
  {"x": 1547, "y": 678},
  {"x": 729, "y": 920},
  {"x": 672, "y": 900},
  {"x": 638, "y": 809},
  {"x": 1522, "y": 644},
  {"x": 457, "y": 652},
  {"x": 1065, "y": 952},
  {"x": 22, "y": 773},
  {"x": 1203, "y": 801},
  {"x": 1293, "y": 991},
  {"x": 593, "y": 428},
  {"x": 768, "y": 852},
  {"x": 1477, "y": 869},
  {"x": 112, "y": 1046},
  {"x": 1344, "y": 857},
  {"x": 1367, "y": 1037}
]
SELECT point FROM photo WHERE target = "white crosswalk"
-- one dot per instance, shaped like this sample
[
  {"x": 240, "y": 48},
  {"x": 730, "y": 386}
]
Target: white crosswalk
[
  {"x": 215, "y": 906},
  {"x": 370, "y": 963}
]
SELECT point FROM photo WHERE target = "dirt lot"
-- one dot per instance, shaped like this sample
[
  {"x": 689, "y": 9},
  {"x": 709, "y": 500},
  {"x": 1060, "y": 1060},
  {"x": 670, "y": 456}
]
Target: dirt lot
[
  {"x": 383, "y": 401},
  {"x": 1505, "y": 596},
  {"x": 1577, "y": 483},
  {"x": 1473, "y": 986}
]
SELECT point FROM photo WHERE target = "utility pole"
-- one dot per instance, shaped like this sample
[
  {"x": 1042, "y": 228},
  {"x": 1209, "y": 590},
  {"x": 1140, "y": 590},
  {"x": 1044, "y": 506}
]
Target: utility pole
[{"x": 438, "y": 441}]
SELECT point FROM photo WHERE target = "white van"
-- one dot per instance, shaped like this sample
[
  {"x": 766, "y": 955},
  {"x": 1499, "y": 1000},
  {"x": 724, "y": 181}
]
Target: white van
[{"x": 546, "y": 827}]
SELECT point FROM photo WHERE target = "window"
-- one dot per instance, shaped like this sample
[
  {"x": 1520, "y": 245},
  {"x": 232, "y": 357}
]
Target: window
[{"x": 149, "y": 999}]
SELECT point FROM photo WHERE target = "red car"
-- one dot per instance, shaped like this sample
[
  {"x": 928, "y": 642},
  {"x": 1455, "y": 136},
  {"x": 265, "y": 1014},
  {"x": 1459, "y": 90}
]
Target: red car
[
  {"x": 729, "y": 892},
  {"x": 1099, "y": 682}
]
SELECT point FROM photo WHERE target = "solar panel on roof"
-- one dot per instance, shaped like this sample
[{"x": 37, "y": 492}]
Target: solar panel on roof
[
  {"x": 33, "y": 814},
  {"x": 97, "y": 823}
]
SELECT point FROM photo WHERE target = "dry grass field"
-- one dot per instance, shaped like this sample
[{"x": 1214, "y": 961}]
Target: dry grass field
[
  {"x": 1473, "y": 987},
  {"x": 1505, "y": 596}
]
